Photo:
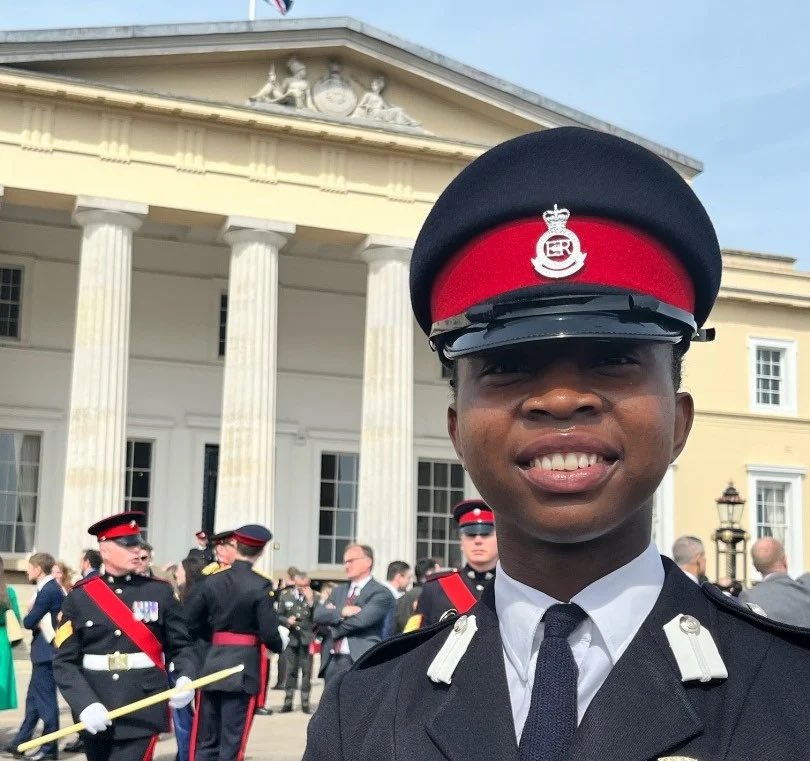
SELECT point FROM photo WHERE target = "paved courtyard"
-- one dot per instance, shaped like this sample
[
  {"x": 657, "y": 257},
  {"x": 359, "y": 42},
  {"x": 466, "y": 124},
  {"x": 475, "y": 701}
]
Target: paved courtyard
[{"x": 280, "y": 737}]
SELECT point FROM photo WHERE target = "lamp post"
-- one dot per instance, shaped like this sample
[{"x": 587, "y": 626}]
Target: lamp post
[{"x": 730, "y": 539}]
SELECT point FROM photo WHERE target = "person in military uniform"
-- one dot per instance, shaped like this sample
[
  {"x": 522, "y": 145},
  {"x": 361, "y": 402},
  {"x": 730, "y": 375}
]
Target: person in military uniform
[
  {"x": 236, "y": 605},
  {"x": 457, "y": 591},
  {"x": 562, "y": 276},
  {"x": 119, "y": 633},
  {"x": 224, "y": 546},
  {"x": 295, "y": 609}
]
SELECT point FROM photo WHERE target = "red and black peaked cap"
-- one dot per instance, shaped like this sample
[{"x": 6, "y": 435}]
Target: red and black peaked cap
[
  {"x": 564, "y": 233},
  {"x": 122, "y": 528},
  {"x": 474, "y": 517}
]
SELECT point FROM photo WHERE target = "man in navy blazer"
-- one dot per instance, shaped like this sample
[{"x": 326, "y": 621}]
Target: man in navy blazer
[{"x": 40, "y": 702}]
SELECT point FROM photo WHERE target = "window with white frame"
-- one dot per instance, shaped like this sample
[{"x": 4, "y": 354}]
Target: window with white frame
[
  {"x": 775, "y": 508},
  {"x": 11, "y": 293},
  {"x": 440, "y": 486},
  {"x": 772, "y": 375},
  {"x": 338, "y": 505},
  {"x": 19, "y": 489},
  {"x": 138, "y": 478}
]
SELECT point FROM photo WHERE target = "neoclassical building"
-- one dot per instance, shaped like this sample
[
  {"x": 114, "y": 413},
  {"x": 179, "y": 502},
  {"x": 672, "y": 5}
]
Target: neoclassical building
[{"x": 205, "y": 234}]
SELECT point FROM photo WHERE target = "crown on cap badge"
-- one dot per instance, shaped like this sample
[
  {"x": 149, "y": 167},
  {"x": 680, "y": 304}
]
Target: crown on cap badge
[{"x": 558, "y": 253}]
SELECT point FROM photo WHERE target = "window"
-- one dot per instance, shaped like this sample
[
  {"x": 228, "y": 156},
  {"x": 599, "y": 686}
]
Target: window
[
  {"x": 440, "y": 486},
  {"x": 775, "y": 502},
  {"x": 138, "y": 478},
  {"x": 338, "y": 505},
  {"x": 223, "y": 322},
  {"x": 772, "y": 510},
  {"x": 19, "y": 490},
  {"x": 10, "y": 301},
  {"x": 209, "y": 498},
  {"x": 773, "y": 375}
]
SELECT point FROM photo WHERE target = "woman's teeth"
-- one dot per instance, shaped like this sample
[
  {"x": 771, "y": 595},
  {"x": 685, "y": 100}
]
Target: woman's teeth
[{"x": 569, "y": 461}]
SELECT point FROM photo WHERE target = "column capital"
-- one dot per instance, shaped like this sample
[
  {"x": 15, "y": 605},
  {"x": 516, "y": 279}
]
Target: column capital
[
  {"x": 241, "y": 229},
  {"x": 387, "y": 248},
  {"x": 90, "y": 210}
]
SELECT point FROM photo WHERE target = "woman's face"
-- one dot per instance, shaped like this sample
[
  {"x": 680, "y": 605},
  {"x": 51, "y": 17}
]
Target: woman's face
[
  {"x": 180, "y": 575},
  {"x": 56, "y": 572}
]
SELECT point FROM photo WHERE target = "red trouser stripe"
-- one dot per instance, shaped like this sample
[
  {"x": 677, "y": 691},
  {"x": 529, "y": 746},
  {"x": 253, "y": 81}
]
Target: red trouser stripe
[
  {"x": 192, "y": 746},
  {"x": 150, "y": 749},
  {"x": 251, "y": 710}
]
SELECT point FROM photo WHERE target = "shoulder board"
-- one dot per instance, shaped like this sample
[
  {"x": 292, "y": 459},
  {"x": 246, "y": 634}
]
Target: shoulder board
[
  {"x": 741, "y": 610},
  {"x": 400, "y": 644},
  {"x": 213, "y": 568},
  {"x": 443, "y": 574}
]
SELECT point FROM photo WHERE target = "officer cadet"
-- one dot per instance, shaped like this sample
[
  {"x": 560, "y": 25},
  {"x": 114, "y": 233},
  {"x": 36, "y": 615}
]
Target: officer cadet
[
  {"x": 236, "y": 605},
  {"x": 452, "y": 591},
  {"x": 224, "y": 552},
  {"x": 120, "y": 632},
  {"x": 562, "y": 276}
]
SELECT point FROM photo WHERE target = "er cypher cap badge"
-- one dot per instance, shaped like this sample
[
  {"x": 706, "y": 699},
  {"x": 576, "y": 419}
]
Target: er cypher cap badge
[{"x": 558, "y": 253}]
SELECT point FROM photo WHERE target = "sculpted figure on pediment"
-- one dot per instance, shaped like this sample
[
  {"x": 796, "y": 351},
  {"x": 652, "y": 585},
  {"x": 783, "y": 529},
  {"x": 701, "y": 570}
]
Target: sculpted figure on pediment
[
  {"x": 373, "y": 107},
  {"x": 293, "y": 91}
]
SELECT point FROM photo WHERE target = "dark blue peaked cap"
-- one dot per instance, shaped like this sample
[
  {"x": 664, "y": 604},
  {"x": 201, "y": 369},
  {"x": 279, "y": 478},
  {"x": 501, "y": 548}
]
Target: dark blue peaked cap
[{"x": 594, "y": 175}]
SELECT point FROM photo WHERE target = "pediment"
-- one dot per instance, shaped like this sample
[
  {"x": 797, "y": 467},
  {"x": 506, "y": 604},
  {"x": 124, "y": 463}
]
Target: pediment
[{"x": 334, "y": 70}]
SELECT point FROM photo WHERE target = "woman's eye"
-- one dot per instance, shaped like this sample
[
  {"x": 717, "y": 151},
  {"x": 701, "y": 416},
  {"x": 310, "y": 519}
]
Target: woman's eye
[
  {"x": 614, "y": 360},
  {"x": 504, "y": 367}
]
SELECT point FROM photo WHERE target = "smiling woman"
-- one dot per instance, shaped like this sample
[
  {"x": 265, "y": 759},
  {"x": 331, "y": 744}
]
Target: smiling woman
[{"x": 566, "y": 345}]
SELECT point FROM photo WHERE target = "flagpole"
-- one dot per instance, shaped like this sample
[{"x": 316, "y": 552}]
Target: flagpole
[{"x": 252, "y": 10}]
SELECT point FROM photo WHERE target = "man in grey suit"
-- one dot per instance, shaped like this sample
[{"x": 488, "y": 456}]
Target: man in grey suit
[
  {"x": 353, "y": 616},
  {"x": 782, "y": 598}
]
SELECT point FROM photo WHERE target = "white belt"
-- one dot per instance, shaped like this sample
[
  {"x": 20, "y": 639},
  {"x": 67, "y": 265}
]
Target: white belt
[{"x": 117, "y": 662}]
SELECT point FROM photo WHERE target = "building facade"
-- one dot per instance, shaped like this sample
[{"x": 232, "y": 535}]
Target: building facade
[{"x": 205, "y": 233}]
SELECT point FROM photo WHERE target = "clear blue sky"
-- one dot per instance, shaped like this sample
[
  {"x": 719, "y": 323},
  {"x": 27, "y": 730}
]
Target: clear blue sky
[{"x": 727, "y": 83}]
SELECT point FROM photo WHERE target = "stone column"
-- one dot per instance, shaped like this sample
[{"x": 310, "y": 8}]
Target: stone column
[
  {"x": 96, "y": 440},
  {"x": 247, "y": 440},
  {"x": 385, "y": 505}
]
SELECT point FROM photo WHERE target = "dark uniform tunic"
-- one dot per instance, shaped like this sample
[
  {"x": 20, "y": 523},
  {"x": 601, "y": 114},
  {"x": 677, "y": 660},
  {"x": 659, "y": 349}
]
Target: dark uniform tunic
[
  {"x": 434, "y": 603},
  {"x": 296, "y": 654},
  {"x": 86, "y": 629},
  {"x": 236, "y": 606},
  {"x": 387, "y": 708}
]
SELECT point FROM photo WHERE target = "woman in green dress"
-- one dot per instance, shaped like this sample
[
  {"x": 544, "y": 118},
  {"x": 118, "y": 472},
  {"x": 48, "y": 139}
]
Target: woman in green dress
[{"x": 8, "y": 684}]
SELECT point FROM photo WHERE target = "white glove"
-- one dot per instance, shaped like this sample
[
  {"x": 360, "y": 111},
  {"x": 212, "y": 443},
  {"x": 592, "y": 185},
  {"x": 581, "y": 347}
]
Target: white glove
[
  {"x": 182, "y": 699},
  {"x": 284, "y": 633},
  {"x": 95, "y": 718}
]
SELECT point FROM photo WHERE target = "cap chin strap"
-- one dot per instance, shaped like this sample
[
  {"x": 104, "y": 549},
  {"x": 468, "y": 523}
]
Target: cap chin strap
[{"x": 482, "y": 316}]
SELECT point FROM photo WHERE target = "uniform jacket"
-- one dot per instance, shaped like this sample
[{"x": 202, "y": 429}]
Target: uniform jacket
[
  {"x": 781, "y": 598},
  {"x": 386, "y": 708},
  {"x": 49, "y": 600},
  {"x": 434, "y": 603},
  {"x": 236, "y": 600},
  {"x": 302, "y": 632},
  {"x": 363, "y": 630},
  {"x": 87, "y": 629}
]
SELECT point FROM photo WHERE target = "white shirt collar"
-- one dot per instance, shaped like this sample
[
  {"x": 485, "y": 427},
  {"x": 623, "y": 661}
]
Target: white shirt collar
[
  {"x": 617, "y": 604},
  {"x": 43, "y": 581},
  {"x": 394, "y": 591},
  {"x": 691, "y": 576},
  {"x": 359, "y": 584}
]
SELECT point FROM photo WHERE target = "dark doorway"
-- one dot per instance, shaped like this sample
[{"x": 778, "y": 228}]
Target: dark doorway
[{"x": 209, "y": 499}]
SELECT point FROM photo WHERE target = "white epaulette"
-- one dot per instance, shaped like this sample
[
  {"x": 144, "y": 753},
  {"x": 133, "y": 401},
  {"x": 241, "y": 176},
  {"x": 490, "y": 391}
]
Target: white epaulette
[
  {"x": 695, "y": 650},
  {"x": 444, "y": 664}
]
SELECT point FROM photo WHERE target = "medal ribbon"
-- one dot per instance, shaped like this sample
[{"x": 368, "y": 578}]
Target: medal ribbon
[{"x": 112, "y": 606}]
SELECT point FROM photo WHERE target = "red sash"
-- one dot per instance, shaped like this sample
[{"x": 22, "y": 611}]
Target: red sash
[
  {"x": 456, "y": 590},
  {"x": 112, "y": 606}
]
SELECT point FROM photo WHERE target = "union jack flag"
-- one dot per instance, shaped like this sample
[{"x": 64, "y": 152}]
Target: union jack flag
[{"x": 282, "y": 6}]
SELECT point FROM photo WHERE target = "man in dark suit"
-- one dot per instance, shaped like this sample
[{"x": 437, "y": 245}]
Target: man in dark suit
[
  {"x": 561, "y": 277},
  {"x": 781, "y": 597},
  {"x": 353, "y": 616},
  {"x": 40, "y": 702},
  {"x": 90, "y": 563},
  {"x": 295, "y": 609}
]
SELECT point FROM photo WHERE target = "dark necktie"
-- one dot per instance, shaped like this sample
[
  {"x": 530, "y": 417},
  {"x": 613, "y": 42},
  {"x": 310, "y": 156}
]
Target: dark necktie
[
  {"x": 338, "y": 643},
  {"x": 552, "y": 715}
]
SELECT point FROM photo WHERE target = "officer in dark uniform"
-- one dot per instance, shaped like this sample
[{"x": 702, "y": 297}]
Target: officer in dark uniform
[
  {"x": 457, "y": 591},
  {"x": 224, "y": 548},
  {"x": 295, "y": 608},
  {"x": 236, "y": 605},
  {"x": 562, "y": 276},
  {"x": 120, "y": 632}
]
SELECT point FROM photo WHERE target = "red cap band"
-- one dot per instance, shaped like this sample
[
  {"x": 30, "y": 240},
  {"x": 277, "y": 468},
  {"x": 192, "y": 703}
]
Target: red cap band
[
  {"x": 616, "y": 255},
  {"x": 476, "y": 516},
  {"x": 127, "y": 529},
  {"x": 250, "y": 541}
]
